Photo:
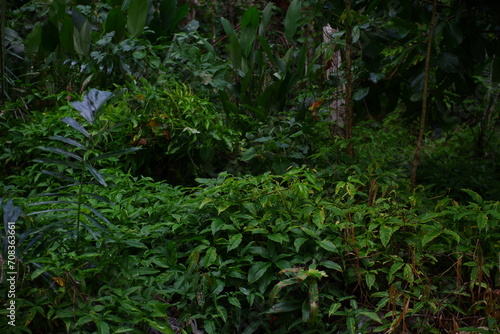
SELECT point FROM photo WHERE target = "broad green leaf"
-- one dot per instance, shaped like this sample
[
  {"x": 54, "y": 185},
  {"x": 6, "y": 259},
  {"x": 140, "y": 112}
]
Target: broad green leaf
[
  {"x": 292, "y": 18},
  {"x": 96, "y": 235},
  {"x": 210, "y": 327},
  {"x": 250, "y": 17},
  {"x": 372, "y": 315},
  {"x": 429, "y": 236},
  {"x": 223, "y": 207},
  {"x": 284, "y": 307},
  {"x": 482, "y": 221},
  {"x": 376, "y": 77},
  {"x": 356, "y": 33},
  {"x": 66, "y": 35},
  {"x": 136, "y": 19},
  {"x": 360, "y": 93},
  {"x": 210, "y": 256},
  {"x": 115, "y": 153},
  {"x": 370, "y": 279},
  {"x": 33, "y": 40},
  {"x": 331, "y": 265},
  {"x": 266, "y": 18},
  {"x": 222, "y": 312},
  {"x": 263, "y": 139},
  {"x": 61, "y": 176},
  {"x": 69, "y": 141},
  {"x": 142, "y": 271},
  {"x": 49, "y": 211},
  {"x": 81, "y": 33},
  {"x": 311, "y": 233},
  {"x": 53, "y": 202},
  {"x": 298, "y": 243},
  {"x": 168, "y": 9},
  {"x": 248, "y": 33},
  {"x": 74, "y": 124},
  {"x": 116, "y": 21},
  {"x": 408, "y": 273},
  {"x": 280, "y": 285},
  {"x": 180, "y": 14},
  {"x": 319, "y": 216},
  {"x": 494, "y": 213},
  {"x": 278, "y": 237},
  {"x": 257, "y": 271},
  {"x": 97, "y": 213},
  {"x": 61, "y": 151},
  {"x": 228, "y": 28},
  {"x": 306, "y": 311},
  {"x": 97, "y": 175},
  {"x": 351, "y": 324},
  {"x": 135, "y": 243},
  {"x": 385, "y": 234},
  {"x": 164, "y": 328},
  {"x": 455, "y": 235},
  {"x": 334, "y": 308},
  {"x": 205, "y": 202},
  {"x": 448, "y": 62},
  {"x": 38, "y": 272},
  {"x": 395, "y": 267},
  {"x": 102, "y": 327},
  {"x": 65, "y": 313},
  {"x": 235, "y": 54},
  {"x": 58, "y": 162},
  {"x": 99, "y": 198},
  {"x": 234, "y": 241},
  {"x": 216, "y": 225},
  {"x": 249, "y": 154},
  {"x": 92, "y": 102},
  {"x": 327, "y": 245},
  {"x": 83, "y": 320},
  {"x": 452, "y": 34},
  {"x": 235, "y": 302}
]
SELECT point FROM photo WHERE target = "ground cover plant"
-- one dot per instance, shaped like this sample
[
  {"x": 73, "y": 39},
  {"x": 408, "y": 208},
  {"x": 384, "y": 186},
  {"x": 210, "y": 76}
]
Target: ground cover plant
[{"x": 165, "y": 170}]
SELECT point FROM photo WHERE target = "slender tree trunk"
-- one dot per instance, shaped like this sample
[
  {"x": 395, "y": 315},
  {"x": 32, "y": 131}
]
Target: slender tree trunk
[
  {"x": 337, "y": 106},
  {"x": 416, "y": 157},
  {"x": 349, "y": 82}
]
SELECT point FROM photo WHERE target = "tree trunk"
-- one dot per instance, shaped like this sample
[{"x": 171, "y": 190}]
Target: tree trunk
[{"x": 337, "y": 106}]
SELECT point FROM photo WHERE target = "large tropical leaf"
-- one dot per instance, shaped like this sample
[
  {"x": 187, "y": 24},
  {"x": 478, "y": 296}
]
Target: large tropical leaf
[
  {"x": 91, "y": 104},
  {"x": 137, "y": 15}
]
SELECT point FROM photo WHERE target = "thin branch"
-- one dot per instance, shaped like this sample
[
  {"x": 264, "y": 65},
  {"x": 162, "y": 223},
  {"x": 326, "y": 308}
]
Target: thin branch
[{"x": 420, "y": 139}]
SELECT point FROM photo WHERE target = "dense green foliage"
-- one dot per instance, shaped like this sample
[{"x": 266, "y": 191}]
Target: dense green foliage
[{"x": 167, "y": 174}]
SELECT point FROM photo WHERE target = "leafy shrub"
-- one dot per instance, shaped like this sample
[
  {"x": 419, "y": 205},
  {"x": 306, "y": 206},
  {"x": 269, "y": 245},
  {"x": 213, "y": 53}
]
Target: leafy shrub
[{"x": 182, "y": 135}]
